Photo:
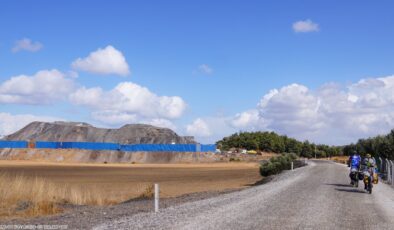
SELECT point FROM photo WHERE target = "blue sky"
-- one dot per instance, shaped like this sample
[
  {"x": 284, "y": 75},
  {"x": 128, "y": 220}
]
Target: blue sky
[{"x": 219, "y": 58}]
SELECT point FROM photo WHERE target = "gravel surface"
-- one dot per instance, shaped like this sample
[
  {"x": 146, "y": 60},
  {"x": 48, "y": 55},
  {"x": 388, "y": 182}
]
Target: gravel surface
[{"x": 313, "y": 197}]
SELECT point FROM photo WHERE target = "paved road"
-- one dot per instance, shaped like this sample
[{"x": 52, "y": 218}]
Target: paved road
[{"x": 314, "y": 197}]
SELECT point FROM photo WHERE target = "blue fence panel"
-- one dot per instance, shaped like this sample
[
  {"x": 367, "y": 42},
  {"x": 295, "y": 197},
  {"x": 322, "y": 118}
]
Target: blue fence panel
[
  {"x": 13, "y": 144},
  {"x": 127, "y": 148},
  {"x": 182, "y": 147},
  {"x": 145, "y": 147},
  {"x": 208, "y": 148},
  {"x": 178, "y": 147},
  {"x": 186, "y": 148},
  {"x": 66, "y": 145},
  {"x": 48, "y": 145},
  {"x": 94, "y": 146}
]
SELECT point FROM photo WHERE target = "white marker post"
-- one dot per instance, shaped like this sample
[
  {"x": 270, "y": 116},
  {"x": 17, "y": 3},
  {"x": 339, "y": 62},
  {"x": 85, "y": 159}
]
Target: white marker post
[
  {"x": 157, "y": 197},
  {"x": 292, "y": 166}
]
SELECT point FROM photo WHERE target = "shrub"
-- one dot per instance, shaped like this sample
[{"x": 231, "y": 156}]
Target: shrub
[
  {"x": 278, "y": 167},
  {"x": 292, "y": 156},
  {"x": 232, "y": 159},
  {"x": 267, "y": 169},
  {"x": 284, "y": 162},
  {"x": 148, "y": 193},
  {"x": 277, "y": 164}
]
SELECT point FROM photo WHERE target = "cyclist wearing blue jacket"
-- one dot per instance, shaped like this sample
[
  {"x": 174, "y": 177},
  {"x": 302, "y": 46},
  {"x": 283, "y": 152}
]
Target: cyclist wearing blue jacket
[{"x": 355, "y": 162}]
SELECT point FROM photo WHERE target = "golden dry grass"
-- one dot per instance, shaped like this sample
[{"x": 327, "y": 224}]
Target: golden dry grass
[
  {"x": 45, "y": 186},
  {"x": 148, "y": 193},
  {"x": 24, "y": 196},
  {"x": 340, "y": 159}
]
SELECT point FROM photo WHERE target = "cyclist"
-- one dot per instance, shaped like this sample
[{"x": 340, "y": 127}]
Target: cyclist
[
  {"x": 369, "y": 165},
  {"x": 354, "y": 163}
]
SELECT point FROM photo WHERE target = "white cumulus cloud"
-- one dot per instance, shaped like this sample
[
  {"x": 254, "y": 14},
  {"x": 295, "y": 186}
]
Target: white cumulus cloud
[
  {"x": 127, "y": 103},
  {"x": 331, "y": 114},
  {"x": 205, "y": 69},
  {"x": 44, "y": 87},
  {"x": 10, "y": 123},
  {"x": 103, "y": 61},
  {"x": 198, "y": 128},
  {"x": 26, "y": 44},
  {"x": 249, "y": 121},
  {"x": 305, "y": 26},
  {"x": 291, "y": 108}
]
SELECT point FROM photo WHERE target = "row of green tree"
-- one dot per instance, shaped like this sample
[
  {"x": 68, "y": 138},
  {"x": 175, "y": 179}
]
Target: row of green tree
[
  {"x": 272, "y": 142},
  {"x": 379, "y": 146}
]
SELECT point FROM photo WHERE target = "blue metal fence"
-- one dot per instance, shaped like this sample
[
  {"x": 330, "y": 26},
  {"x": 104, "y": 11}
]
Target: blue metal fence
[
  {"x": 47, "y": 145},
  {"x": 111, "y": 146},
  {"x": 13, "y": 144},
  {"x": 90, "y": 146},
  {"x": 208, "y": 148}
]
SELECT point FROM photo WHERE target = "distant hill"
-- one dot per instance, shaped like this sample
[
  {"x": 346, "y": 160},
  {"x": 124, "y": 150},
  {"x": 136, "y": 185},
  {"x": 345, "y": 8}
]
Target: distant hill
[{"x": 83, "y": 132}]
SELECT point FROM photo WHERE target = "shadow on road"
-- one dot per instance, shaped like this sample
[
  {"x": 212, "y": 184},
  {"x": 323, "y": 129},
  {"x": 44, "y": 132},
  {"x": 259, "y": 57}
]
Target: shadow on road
[
  {"x": 341, "y": 185},
  {"x": 349, "y": 190}
]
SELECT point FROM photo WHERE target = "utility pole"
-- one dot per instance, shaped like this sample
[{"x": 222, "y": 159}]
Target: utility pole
[{"x": 315, "y": 151}]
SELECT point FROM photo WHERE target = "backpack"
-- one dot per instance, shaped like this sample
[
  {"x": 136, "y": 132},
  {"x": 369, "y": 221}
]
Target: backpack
[{"x": 355, "y": 161}]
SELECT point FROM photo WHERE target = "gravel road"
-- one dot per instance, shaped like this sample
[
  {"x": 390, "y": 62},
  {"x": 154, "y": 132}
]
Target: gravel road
[{"x": 314, "y": 197}]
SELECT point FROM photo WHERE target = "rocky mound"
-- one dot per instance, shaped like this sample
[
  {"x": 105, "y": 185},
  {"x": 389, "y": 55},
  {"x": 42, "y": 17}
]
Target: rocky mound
[{"x": 83, "y": 132}]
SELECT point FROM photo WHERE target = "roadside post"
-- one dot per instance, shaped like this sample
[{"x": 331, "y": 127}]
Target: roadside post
[
  {"x": 157, "y": 197},
  {"x": 315, "y": 151},
  {"x": 292, "y": 166}
]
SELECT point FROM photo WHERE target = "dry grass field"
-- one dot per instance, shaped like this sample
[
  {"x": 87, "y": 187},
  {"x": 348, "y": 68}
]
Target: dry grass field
[
  {"x": 340, "y": 159},
  {"x": 40, "y": 186}
]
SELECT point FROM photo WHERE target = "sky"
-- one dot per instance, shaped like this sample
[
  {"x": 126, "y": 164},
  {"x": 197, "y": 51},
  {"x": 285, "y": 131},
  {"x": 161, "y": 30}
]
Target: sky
[{"x": 313, "y": 70}]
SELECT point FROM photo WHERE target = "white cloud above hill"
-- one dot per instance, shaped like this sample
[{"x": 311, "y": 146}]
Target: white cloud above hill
[
  {"x": 44, "y": 87},
  {"x": 103, "y": 61},
  {"x": 128, "y": 102},
  {"x": 198, "y": 128}
]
